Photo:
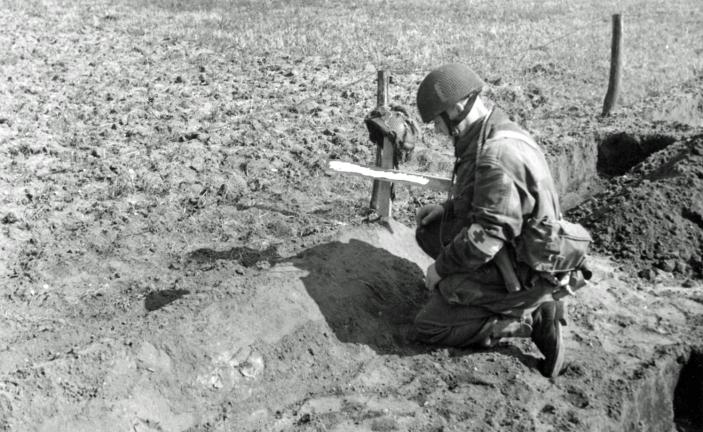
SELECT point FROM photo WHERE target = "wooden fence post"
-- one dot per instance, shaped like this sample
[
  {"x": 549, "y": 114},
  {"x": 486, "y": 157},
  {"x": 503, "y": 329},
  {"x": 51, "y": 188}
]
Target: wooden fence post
[
  {"x": 381, "y": 192},
  {"x": 611, "y": 96}
]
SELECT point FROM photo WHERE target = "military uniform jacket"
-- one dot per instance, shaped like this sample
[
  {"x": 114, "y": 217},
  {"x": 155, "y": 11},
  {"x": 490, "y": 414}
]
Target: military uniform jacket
[{"x": 499, "y": 181}]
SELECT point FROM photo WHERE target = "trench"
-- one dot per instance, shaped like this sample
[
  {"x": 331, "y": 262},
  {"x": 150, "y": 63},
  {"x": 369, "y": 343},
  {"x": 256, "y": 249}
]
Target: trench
[
  {"x": 667, "y": 394},
  {"x": 670, "y": 397},
  {"x": 580, "y": 168},
  {"x": 688, "y": 395},
  {"x": 619, "y": 152}
]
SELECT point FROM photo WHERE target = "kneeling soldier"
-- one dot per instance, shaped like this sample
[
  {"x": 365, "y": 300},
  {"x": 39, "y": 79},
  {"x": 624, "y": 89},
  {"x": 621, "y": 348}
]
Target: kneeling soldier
[{"x": 481, "y": 290}]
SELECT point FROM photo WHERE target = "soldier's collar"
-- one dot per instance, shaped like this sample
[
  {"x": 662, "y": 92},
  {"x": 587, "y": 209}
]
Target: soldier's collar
[{"x": 470, "y": 136}]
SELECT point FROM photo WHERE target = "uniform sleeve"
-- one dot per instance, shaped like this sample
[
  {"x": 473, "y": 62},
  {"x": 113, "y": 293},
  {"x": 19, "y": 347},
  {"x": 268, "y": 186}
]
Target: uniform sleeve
[
  {"x": 497, "y": 205},
  {"x": 497, "y": 216}
]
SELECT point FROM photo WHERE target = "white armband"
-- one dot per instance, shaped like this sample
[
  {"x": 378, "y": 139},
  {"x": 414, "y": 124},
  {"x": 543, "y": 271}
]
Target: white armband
[{"x": 485, "y": 243}]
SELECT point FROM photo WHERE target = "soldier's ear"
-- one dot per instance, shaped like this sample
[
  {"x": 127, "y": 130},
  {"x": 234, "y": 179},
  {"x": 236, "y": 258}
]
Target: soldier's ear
[{"x": 456, "y": 109}]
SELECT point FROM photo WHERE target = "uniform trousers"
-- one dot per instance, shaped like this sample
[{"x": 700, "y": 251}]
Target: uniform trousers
[{"x": 466, "y": 308}]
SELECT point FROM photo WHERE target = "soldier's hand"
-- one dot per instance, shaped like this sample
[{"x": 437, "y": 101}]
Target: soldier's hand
[
  {"x": 428, "y": 213},
  {"x": 432, "y": 278}
]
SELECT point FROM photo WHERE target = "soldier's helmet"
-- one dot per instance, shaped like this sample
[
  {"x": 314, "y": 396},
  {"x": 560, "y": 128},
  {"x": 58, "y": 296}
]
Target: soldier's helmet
[{"x": 445, "y": 86}]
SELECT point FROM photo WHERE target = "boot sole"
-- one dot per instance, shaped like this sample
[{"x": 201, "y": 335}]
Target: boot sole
[{"x": 552, "y": 367}]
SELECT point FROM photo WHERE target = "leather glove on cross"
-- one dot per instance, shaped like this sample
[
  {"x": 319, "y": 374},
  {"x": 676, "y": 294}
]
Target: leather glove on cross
[{"x": 398, "y": 126}]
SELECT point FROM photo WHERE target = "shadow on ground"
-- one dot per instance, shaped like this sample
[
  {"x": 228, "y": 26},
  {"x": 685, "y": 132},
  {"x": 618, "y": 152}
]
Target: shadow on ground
[
  {"x": 247, "y": 257},
  {"x": 370, "y": 296},
  {"x": 157, "y": 299},
  {"x": 367, "y": 295}
]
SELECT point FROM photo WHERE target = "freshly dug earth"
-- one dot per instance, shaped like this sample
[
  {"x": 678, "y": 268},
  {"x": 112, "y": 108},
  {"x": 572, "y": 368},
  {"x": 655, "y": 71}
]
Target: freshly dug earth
[
  {"x": 321, "y": 341},
  {"x": 652, "y": 217}
]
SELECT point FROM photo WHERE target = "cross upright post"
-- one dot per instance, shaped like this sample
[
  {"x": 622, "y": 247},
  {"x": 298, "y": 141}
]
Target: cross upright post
[{"x": 381, "y": 192}]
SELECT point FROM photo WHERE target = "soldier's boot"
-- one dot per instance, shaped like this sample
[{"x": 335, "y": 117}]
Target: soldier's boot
[
  {"x": 506, "y": 328},
  {"x": 548, "y": 319}
]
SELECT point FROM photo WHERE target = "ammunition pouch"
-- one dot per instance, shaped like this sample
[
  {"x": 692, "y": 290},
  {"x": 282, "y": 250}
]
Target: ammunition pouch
[{"x": 552, "y": 246}]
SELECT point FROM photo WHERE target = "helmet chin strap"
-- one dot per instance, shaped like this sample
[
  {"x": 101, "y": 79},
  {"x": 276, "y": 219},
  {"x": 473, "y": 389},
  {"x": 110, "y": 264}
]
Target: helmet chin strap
[
  {"x": 453, "y": 125},
  {"x": 448, "y": 123}
]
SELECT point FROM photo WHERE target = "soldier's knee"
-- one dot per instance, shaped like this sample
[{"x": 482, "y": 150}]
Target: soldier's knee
[
  {"x": 430, "y": 333},
  {"x": 427, "y": 237},
  {"x": 427, "y": 329}
]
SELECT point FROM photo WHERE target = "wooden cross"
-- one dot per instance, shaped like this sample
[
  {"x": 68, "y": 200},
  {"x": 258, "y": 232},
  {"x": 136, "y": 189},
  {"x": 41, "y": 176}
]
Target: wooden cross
[{"x": 381, "y": 192}]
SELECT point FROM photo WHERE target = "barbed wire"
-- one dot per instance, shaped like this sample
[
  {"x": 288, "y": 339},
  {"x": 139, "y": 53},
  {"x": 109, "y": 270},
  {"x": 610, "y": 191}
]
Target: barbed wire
[{"x": 556, "y": 39}]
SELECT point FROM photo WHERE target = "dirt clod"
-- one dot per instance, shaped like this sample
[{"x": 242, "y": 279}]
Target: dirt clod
[
  {"x": 9, "y": 218},
  {"x": 651, "y": 216}
]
